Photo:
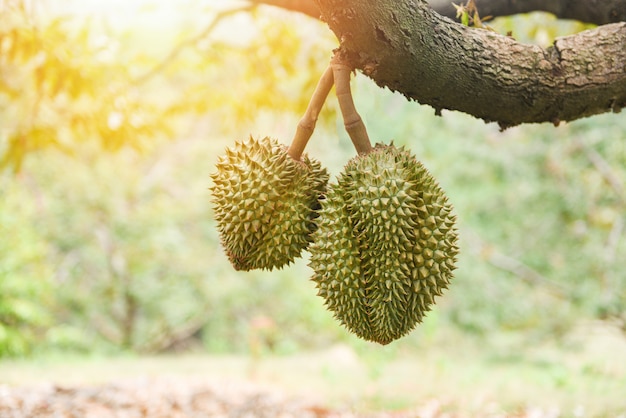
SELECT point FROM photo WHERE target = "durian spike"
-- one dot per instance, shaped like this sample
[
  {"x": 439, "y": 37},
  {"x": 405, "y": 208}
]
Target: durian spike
[
  {"x": 351, "y": 119},
  {"x": 306, "y": 125}
]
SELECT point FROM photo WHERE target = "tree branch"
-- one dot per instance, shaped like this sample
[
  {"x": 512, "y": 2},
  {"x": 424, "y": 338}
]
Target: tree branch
[
  {"x": 409, "y": 48},
  {"x": 178, "y": 49},
  {"x": 597, "y": 12},
  {"x": 605, "y": 170},
  {"x": 308, "y": 7},
  {"x": 512, "y": 265}
]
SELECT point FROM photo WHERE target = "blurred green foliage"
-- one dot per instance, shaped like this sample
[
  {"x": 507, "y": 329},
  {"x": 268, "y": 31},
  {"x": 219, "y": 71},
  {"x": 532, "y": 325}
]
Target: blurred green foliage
[
  {"x": 25, "y": 275},
  {"x": 102, "y": 250}
]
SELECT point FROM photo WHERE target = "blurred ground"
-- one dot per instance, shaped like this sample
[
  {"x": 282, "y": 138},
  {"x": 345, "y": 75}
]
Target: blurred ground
[{"x": 584, "y": 376}]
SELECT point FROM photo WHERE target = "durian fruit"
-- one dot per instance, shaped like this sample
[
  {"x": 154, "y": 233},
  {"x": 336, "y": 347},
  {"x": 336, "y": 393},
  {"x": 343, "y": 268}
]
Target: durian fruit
[
  {"x": 385, "y": 246},
  {"x": 265, "y": 203}
]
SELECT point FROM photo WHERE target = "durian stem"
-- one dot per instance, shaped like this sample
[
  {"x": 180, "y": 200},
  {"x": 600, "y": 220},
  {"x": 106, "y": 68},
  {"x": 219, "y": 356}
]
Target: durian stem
[
  {"x": 306, "y": 125},
  {"x": 351, "y": 119}
]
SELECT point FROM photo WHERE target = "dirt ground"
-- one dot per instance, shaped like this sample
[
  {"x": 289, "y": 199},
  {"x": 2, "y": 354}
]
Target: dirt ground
[
  {"x": 168, "y": 398},
  {"x": 444, "y": 381},
  {"x": 161, "y": 398},
  {"x": 174, "y": 388}
]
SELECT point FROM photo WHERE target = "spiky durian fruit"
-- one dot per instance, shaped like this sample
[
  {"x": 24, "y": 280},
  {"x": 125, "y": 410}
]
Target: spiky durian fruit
[
  {"x": 265, "y": 203},
  {"x": 385, "y": 246}
]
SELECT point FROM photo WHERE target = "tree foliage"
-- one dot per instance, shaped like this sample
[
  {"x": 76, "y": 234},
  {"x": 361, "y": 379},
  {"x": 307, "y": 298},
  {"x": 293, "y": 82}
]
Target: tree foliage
[
  {"x": 62, "y": 85},
  {"x": 84, "y": 89},
  {"x": 66, "y": 82},
  {"x": 25, "y": 276}
]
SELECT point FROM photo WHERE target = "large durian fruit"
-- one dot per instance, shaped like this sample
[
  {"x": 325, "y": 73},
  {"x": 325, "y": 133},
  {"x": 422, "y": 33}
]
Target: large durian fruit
[
  {"x": 385, "y": 246},
  {"x": 265, "y": 203}
]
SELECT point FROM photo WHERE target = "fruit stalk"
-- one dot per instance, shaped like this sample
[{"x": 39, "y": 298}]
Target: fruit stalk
[
  {"x": 351, "y": 119},
  {"x": 306, "y": 125}
]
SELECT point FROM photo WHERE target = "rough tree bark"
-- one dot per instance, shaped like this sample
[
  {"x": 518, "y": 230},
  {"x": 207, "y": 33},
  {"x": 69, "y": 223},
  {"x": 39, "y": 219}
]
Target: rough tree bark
[
  {"x": 406, "y": 46},
  {"x": 597, "y": 12}
]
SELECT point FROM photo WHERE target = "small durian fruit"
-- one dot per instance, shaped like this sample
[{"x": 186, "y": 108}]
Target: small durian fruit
[
  {"x": 265, "y": 203},
  {"x": 385, "y": 246}
]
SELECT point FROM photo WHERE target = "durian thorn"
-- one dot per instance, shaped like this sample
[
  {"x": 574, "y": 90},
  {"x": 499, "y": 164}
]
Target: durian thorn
[
  {"x": 351, "y": 119},
  {"x": 306, "y": 125}
]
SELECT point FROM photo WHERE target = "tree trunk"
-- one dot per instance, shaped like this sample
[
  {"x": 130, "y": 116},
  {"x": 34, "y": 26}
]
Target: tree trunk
[{"x": 406, "y": 46}]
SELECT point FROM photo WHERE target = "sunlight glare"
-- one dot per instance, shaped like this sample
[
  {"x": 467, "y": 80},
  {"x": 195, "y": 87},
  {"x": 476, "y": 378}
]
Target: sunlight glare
[{"x": 163, "y": 16}]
